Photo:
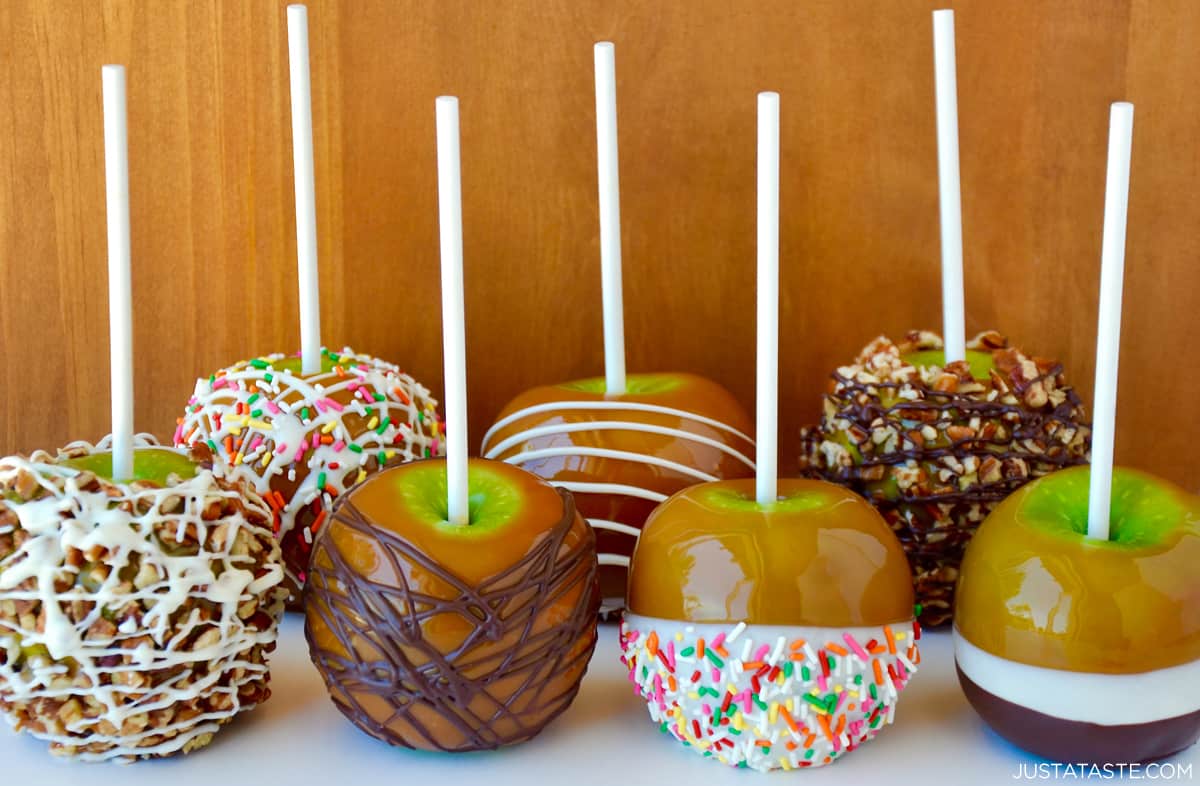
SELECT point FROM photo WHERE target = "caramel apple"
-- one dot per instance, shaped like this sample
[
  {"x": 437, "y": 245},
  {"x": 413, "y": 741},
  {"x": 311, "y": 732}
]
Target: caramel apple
[
  {"x": 935, "y": 446},
  {"x": 452, "y": 637},
  {"x": 135, "y": 616},
  {"x": 769, "y": 636},
  {"x": 305, "y": 439},
  {"x": 622, "y": 454},
  {"x": 1084, "y": 650}
]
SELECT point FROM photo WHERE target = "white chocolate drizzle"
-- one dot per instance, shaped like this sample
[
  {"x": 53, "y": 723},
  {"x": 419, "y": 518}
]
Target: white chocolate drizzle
[
  {"x": 61, "y": 659},
  {"x": 278, "y": 421}
]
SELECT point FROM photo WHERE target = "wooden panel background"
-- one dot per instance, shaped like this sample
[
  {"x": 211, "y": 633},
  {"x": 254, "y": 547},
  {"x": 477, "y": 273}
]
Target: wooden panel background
[{"x": 212, "y": 207}]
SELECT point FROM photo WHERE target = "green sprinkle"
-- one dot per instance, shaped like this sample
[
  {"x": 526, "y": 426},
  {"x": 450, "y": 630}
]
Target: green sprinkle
[
  {"x": 355, "y": 448},
  {"x": 858, "y": 679},
  {"x": 874, "y": 695},
  {"x": 383, "y": 426},
  {"x": 765, "y": 749},
  {"x": 321, "y": 481},
  {"x": 381, "y": 457},
  {"x": 304, "y": 414},
  {"x": 805, "y": 674},
  {"x": 687, "y": 652},
  {"x": 813, "y": 700},
  {"x": 759, "y": 703},
  {"x": 707, "y": 691},
  {"x": 260, "y": 363},
  {"x": 252, "y": 399},
  {"x": 212, "y": 446},
  {"x": 379, "y": 397},
  {"x": 720, "y": 664},
  {"x": 788, "y": 669},
  {"x": 809, "y": 753},
  {"x": 269, "y": 377},
  {"x": 256, "y": 413},
  {"x": 735, "y": 732},
  {"x": 212, "y": 378}
]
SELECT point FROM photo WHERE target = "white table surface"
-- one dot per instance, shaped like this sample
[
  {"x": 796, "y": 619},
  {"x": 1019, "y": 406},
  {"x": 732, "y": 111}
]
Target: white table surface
[{"x": 606, "y": 737}]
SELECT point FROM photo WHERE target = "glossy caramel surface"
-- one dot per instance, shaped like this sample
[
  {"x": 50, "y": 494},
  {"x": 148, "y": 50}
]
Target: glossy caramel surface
[
  {"x": 1035, "y": 590},
  {"x": 822, "y": 556}
]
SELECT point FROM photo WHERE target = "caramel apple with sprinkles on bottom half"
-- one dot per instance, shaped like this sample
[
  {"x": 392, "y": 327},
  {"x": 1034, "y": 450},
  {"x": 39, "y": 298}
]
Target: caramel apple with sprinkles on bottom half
[
  {"x": 770, "y": 622},
  {"x": 775, "y": 636}
]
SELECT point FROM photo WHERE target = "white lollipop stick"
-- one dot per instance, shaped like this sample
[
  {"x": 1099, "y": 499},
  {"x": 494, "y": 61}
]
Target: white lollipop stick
[
  {"x": 767, "y": 382},
  {"x": 454, "y": 340},
  {"x": 306, "y": 199},
  {"x": 120, "y": 301},
  {"x": 1108, "y": 333},
  {"x": 949, "y": 190},
  {"x": 610, "y": 218}
]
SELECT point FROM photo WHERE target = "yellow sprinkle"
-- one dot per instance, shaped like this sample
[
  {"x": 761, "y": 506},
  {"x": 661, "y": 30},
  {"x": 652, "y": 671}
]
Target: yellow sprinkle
[
  {"x": 362, "y": 474},
  {"x": 901, "y": 636},
  {"x": 837, "y": 688},
  {"x": 261, "y": 425},
  {"x": 266, "y": 459},
  {"x": 373, "y": 422},
  {"x": 787, "y": 765},
  {"x": 678, "y": 637},
  {"x": 731, "y": 689},
  {"x": 773, "y": 714},
  {"x": 237, "y": 459},
  {"x": 235, "y": 430},
  {"x": 390, "y": 454},
  {"x": 694, "y": 696},
  {"x": 328, "y": 427},
  {"x": 738, "y": 723}
]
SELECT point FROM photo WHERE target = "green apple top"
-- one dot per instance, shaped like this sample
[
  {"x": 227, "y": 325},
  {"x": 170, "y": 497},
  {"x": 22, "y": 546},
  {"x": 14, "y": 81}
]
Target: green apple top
[
  {"x": 1035, "y": 589},
  {"x": 819, "y": 556},
  {"x": 155, "y": 465},
  {"x": 980, "y": 363}
]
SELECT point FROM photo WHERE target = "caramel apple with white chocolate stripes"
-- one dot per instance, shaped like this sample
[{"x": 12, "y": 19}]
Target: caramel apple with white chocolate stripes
[{"x": 622, "y": 454}]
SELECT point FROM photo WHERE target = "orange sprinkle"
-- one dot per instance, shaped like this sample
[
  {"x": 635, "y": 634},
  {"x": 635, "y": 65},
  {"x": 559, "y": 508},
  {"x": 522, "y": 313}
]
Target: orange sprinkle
[
  {"x": 188, "y": 436},
  {"x": 652, "y": 643},
  {"x": 752, "y": 665},
  {"x": 282, "y": 503},
  {"x": 836, "y": 649},
  {"x": 341, "y": 372},
  {"x": 887, "y": 631},
  {"x": 327, "y": 440},
  {"x": 317, "y": 521},
  {"x": 761, "y": 743},
  {"x": 671, "y": 683},
  {"x": 878, "y": 672},
  {"x": 799, "y": 656},
  {"x": 787, "y": 718},
  {"x": 791, "y": 745},
  {"x": 878, "y": 649},
  {"x": 229, "y": 444},
  {"x": 841, "y": 725},
  {"x": 699, "y": 649},
  {"x": 821, "y": 719},
  {"x": 809, "y": 740},
  {"x": 797, "y": 644},
  {"x": 399, "y": 393},
  {"x": 724, "y": 653}
]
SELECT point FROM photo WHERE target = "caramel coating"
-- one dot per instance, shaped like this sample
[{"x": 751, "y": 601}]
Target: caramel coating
[
  {"x": 821, "y": 556},
  {"x": 454, "y": 638},
  {"x": 1034, "y": 589},
  {"x": 687, "y": 392}
]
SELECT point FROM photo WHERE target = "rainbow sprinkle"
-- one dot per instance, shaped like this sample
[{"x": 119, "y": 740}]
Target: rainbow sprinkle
[{"x": 749, "y": 696}]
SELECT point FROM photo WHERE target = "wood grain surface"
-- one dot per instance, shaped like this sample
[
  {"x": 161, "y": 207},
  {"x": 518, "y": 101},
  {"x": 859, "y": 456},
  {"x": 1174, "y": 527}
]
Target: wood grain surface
[{"x": 214, "y": 237}]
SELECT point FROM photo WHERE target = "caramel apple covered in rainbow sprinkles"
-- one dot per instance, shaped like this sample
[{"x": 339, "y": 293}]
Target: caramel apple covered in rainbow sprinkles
[{"x": 306, "y": 439}]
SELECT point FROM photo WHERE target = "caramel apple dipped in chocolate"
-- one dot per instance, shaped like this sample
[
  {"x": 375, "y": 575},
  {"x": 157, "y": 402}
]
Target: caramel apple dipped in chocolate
[
  {"x": 1077, "y": 630},
  {"x": 935, "y": 446},
  {"x": 452, "y": 604},
  {"x": 770, "y": 622},
  {"x": 305, "y": 428},
  {"x": 622, "y": 443},
  {"x": 139, "y": 592}
]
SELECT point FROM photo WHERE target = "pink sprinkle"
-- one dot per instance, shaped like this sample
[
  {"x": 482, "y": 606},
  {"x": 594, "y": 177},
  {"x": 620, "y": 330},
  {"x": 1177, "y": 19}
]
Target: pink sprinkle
[
  {"x": 254, "y": 443},
  {"x": 658, "y": 691},
  {"x": 336, "y": 407},
  {"x": 340, "y": 445},
  {"x": 716, "y": 675},
  {"x": 706, "y": 708},
  {"x": 761, "y": 652},
  {"x": 718, "y": 640},
  {"x": 271, "y": 405},
  {"x": 433, "y": 447},
  {"x": 299, "y": 454},
  {"x": 316, "y": 440},
  {"x": 900, "y": 670},
  {"x": 633, "y": 635},
  {"x": 220, "y": 383},
  {"x": 747, "y": 702},
  {"x": 281, "y": 448},
  {"x": 855, "y": 646},
  {"x": 822, "y": 683},
  {"x": 178, "y": 434},
  {"x": 841, "y": 700},
  {"x": 855, "y": 728},
  {"x": 671, "y": 655}
]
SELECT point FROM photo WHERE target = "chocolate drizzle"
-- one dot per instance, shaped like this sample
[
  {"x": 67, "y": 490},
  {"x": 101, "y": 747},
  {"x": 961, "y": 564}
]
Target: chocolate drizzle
[
  {"x": 989, "y": 438},
  {"x": 533, "y": 632}
]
